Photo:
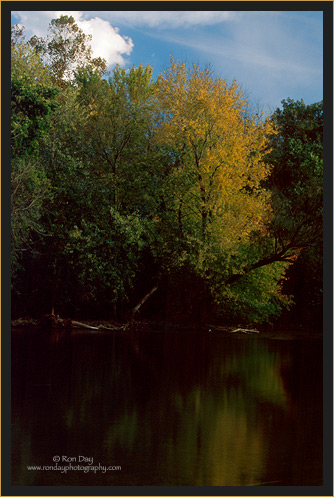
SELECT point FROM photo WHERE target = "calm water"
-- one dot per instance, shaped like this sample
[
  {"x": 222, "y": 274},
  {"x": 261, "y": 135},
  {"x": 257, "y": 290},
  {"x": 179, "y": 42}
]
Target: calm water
[{"x": 169, "y": 408}]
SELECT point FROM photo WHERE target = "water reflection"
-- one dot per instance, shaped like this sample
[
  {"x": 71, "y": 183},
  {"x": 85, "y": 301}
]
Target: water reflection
[{"x": 170, "y": 408}]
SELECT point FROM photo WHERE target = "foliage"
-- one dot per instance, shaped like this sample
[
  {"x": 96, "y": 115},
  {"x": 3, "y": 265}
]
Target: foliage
[
  {"x": 296, "y": 179},
  {"x": 296, "y": 184},
  {"x": 117, "y": 134},
  {"x": 33, "y": 97},
  {"x": 214, "y": 202},
  {"x": 123, "y": 182},
  {"x": 65, "y": 49},
  {"x": 98, "y": 216},
  {"x": 257, "y": 297},
  {"x": 29, "y": 189}
]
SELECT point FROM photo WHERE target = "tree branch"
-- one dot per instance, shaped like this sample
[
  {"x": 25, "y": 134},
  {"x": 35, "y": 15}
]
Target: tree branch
[{"x": 280, "y": 257}]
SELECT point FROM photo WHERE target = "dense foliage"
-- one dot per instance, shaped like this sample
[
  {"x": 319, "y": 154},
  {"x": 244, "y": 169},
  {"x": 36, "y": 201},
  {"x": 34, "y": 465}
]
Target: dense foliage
[
  {"x": 296, "y": 185},
  {"x": 121, "y": 183}
]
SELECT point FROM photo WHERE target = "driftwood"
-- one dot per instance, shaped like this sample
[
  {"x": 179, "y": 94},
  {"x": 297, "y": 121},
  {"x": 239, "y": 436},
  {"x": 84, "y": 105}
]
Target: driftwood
[
  {"x": 83, "y": 325},
  {"x": 242, "y": 330},
  {"x": 21, "y": 322},
  {"x": 52, "y": 321},
  {"x": 78, "y": 324},
  {"x": 111, "y": 328}
]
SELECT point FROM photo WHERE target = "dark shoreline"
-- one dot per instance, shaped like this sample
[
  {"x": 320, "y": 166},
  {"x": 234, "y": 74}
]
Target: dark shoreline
[{"x": 277, "y": 332}]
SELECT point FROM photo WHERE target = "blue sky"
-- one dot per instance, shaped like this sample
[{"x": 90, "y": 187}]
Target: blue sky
[{"x": 272, "y": 55}]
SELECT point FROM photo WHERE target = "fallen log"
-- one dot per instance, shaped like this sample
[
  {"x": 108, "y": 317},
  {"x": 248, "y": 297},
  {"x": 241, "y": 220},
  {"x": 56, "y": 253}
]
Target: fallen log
[
  {"x": 51, "y": 321},
  {"x": 243, "y": 330},
  {"x": 83, "y": 325},
  {"x": 21, "y": 322},
  {"x": 111, "y": 328}
]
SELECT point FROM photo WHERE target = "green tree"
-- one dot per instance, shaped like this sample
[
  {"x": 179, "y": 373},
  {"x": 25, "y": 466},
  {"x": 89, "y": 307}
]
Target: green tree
[
  {"x": 296, "y": 179},
  {"x": 296, "y": 184},
  {"x": 43, "y": 105},
  {"x": 33, "y": 97},
  {"x": 98, "y": 218},
  {"x": 115, "y": 137},
  {"x": 118, "y": 133},
  {"x": 33, "y": 100},
  {"x": 65, "y": 49}
]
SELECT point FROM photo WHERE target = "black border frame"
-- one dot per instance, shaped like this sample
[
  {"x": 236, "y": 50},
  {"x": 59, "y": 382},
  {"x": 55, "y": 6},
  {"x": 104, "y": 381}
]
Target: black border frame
[{"x": 327, "y": 8}]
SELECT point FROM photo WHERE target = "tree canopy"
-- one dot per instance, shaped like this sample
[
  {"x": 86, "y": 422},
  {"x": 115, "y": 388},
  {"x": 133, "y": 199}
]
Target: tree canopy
[{"x": 121, "y": 182}]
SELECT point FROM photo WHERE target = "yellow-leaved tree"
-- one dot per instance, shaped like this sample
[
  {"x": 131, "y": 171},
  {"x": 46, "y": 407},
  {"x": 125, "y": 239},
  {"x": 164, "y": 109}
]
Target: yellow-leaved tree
[{"x": 215, "y": 209}]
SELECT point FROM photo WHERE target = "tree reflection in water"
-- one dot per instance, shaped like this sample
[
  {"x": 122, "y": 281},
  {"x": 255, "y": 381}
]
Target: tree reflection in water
[{"x": 170, "y": 408}]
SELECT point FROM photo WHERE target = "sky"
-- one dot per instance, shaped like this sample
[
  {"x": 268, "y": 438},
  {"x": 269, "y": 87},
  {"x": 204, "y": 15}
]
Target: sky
[{"x": 272, "y": 55}]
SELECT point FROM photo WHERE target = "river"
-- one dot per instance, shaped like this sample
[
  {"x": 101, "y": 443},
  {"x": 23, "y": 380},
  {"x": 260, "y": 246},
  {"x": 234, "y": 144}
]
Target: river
[{"x": 165, "y": 408}]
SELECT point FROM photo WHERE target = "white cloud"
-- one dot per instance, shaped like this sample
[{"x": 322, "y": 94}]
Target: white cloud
[
  {"x": 275, "y": 54},
  {"x": 260, "y": 41},
  {"x": 35, "y": 22},
  {"x": 107, "y": 42}
]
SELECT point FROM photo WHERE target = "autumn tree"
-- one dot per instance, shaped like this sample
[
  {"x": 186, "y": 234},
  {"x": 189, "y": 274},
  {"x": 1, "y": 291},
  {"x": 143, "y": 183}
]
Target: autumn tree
[{"x": 216, "y": 211}]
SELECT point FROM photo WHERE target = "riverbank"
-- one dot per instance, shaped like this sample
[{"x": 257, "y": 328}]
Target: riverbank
[{"x": 273, "y": 332}]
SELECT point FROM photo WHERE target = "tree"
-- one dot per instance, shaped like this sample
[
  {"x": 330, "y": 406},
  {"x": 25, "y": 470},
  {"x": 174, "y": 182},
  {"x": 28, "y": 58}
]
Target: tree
[
  {"x": 115, "y": 145},
  {"x": 123, "y": 182},
  {"x": 118, "y": 132},
  {"x": 98, "y": 165},
  {"x": 296, "y": 179},
  {"x": 33, "y": 97},
  {"x": 296, "y": 184},
  {"x": 33, "y": 100},
  {"x": 65, "y": 49},
  {"x": 215, "y": 207}
]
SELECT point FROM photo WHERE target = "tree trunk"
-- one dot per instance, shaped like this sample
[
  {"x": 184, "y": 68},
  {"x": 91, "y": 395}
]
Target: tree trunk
[{"x": 143, "y": 300}]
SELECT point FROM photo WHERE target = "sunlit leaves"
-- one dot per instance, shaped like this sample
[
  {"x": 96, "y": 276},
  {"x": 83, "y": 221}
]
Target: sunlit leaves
[{"x": 218, "y": 158}]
